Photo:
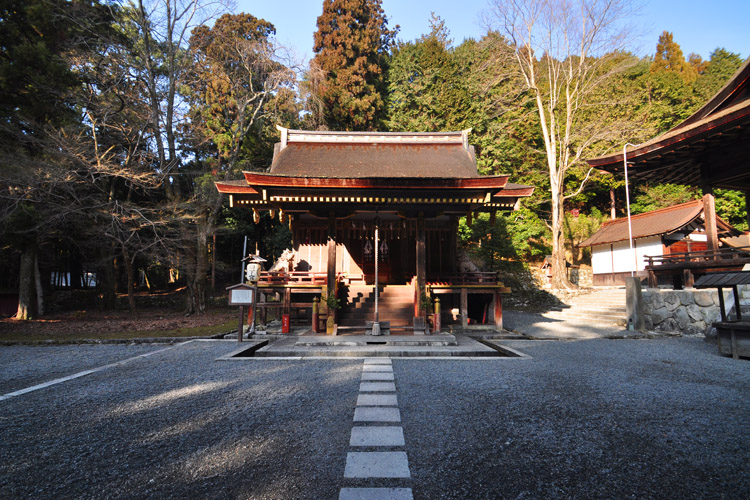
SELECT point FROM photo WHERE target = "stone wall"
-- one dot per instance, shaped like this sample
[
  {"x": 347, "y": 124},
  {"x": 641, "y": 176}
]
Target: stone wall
[
  {"x": 581, "y": 276},
  {"x": 689, "y": 312}
]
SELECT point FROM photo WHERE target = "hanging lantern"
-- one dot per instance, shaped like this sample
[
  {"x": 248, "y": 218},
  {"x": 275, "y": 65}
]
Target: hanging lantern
[
  {"x": 256, "y": 216},
  {"x": 282, "y": 216},
  {"x": 368, "y": 248},
  {"x": 272, "y": 212},
  {"x": 252, "y": 268},
  {"x": 384, "y": 249}
]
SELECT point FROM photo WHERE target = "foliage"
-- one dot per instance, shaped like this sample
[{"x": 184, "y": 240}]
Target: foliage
[
  {"x": 730, "y": 206},
  {"x": 351, "y": 47},
  {"x": 669, "y": 59},
  {"x": 564, "y": 54},
  {"x": 520, "y": 235},
  {"x": 332, "y": 301},
  {"x": 653, "y": 197},
  {"x": 578, "y": 227}
]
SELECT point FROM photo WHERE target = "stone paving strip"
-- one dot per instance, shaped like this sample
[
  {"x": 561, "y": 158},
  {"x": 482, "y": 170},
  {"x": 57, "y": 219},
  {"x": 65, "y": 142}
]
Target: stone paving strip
[{"x": 376, "y": 411}]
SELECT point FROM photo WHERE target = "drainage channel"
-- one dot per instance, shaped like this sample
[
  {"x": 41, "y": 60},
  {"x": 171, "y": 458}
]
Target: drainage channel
[{"x": 343, "y": 347}]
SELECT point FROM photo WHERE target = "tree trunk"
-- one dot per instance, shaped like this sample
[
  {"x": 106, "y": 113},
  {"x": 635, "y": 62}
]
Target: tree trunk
[
  {"x": 559, "y": 269},
  {"x": 38, "y": 285},
  {"x": 106, "y": 281},
  {"x": 26, "y": 297},
  {"x": 130, "y": 268}
]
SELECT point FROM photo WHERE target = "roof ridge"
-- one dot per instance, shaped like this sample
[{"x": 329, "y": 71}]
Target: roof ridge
[{"x": 658, "y": 211}]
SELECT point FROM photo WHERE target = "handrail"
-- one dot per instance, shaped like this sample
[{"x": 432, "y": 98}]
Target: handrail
[
  {"x": 467, "y": 278},
  {"x": 294, "y": 278},
  {"x": 722, "y": 254}
]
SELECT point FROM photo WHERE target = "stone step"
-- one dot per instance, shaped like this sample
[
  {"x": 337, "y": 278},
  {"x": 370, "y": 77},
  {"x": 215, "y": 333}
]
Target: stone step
[
  {"x": 584, "y": 318},
  {"x": 388, "y": 340}
]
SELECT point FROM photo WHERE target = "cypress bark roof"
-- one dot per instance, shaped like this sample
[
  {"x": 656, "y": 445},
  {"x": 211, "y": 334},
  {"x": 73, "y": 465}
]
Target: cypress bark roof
[{"x": 374, "y": 154}]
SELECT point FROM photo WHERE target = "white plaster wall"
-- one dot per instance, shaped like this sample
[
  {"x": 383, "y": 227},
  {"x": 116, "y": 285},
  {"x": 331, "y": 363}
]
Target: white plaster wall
[
  {"x": 622, "y": 256},
  {"x": 647, "y": 246},
  {"x": 601, "y": 259}
]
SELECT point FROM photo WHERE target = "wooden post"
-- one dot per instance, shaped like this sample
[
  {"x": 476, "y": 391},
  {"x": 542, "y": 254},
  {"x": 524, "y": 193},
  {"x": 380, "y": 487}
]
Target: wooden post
[
  {"x": 437, "y": 320},
  {"x": 737, "y": 307},
  {"x": 331, "y": 267},
  {"x": 288, "y": 302},
  {"x": 687, "y": 278},
  {"x": 240, "y": 327},
  {"x": 709, "y": 213},
  {"x": 498, "y": 311},
  {"x": 721, "y": 304},
  {"x": 263, "y": 310},
  {"x": 315, "y": 314},
  {"x": 747, "y": 206},
  {"x": 421, "y": 261},
  {"x": 464, "y": 308}
]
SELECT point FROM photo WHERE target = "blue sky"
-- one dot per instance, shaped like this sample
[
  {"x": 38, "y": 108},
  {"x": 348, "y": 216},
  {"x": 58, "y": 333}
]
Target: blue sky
[{"x": 699, "y": 26}]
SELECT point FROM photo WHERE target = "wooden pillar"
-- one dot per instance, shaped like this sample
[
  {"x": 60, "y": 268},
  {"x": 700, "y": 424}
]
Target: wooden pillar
[
  {"x": 464, "y": 308},
  {"x": 721, "y": 305},
  {"x": 421, "y": 261},
  {"x": 747, "y": 207},
  {"x": 331, "y": 268},
  {"x": 709, "y": 213},
  {"x": 498, "y": 311}
]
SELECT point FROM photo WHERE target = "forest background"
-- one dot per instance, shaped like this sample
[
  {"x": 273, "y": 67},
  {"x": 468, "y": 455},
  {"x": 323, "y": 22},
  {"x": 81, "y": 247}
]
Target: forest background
[{"x": 117, "y": 119}]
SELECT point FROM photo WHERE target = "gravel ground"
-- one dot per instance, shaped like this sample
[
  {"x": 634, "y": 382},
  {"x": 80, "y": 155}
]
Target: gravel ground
[
  {"x": 537, "y": 326},
  {"x": 181, "y": 425},
  {"x": 24, "y": 366},
  {"x": 585, "y": 419},
  {"x": 662, "y": 418}
]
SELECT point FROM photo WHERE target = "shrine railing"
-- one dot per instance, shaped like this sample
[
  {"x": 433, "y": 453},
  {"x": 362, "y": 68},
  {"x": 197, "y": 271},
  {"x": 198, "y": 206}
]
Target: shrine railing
[
  {"x": 298, "y": 278},
  {"x": 724, "y": 256},
  {"x": 684, "y": 267},
  {"x": 464, "y": 279}
]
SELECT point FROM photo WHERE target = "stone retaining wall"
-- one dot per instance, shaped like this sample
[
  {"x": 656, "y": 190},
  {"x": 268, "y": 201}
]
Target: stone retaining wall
[{"x": 690, "y": 312}]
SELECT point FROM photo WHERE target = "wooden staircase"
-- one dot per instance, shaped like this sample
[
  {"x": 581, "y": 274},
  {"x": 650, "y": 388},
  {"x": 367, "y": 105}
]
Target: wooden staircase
[{"x": 395, "y": 304}]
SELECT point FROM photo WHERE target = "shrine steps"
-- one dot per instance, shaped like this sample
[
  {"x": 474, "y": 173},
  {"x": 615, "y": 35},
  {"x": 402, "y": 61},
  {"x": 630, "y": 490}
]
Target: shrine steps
[{"x": 395, "y": 304}]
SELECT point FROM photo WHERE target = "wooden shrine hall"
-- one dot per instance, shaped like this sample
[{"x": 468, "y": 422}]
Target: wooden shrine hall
[{"x": 378, "y": 206}]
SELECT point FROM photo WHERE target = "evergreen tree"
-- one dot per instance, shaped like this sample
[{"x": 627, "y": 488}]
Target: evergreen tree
[
  {"x": 351, "y": 49},
  {"x": 669, "y": 58}
]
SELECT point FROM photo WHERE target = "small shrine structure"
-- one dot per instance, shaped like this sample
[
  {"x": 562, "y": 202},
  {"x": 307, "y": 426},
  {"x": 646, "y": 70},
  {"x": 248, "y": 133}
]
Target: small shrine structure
[{"x": 367, "y": 207}]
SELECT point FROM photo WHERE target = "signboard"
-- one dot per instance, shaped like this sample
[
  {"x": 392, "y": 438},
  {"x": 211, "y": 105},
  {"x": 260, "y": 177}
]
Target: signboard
[{"x": 241, "y": 295}]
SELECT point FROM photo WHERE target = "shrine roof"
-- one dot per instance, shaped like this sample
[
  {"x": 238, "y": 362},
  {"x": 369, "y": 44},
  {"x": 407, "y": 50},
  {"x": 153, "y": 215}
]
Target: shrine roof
[
  {"x": 657, "y": 222},
  {"x": 708, "y": 148},
  {"x": 353, "y": 155}
]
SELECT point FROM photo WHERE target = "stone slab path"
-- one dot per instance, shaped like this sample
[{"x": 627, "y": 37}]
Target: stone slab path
[{"x": 375, "y": 431}]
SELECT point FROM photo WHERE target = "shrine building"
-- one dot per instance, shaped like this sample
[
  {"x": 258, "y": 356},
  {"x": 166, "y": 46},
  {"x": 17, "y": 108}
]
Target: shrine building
[{"x": 360, "y": 201}]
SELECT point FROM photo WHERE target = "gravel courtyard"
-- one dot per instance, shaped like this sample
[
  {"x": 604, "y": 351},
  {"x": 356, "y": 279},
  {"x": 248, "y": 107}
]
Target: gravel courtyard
[{"x": 665, "y": 418}]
